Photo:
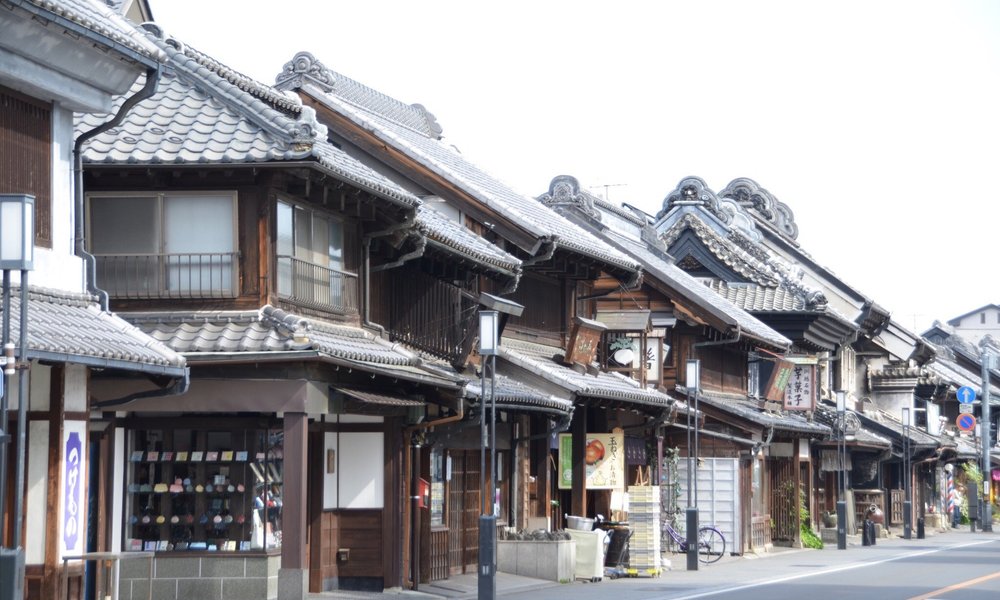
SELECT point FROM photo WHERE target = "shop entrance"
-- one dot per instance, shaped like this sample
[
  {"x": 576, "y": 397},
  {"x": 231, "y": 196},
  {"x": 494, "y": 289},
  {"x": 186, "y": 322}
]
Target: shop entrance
[{"x": 463, "y": 511}]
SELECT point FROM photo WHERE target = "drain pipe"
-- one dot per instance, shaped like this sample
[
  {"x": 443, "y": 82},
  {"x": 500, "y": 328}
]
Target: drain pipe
[
  {"x": 148, "y": 89},
  {"x": 178, "y": 387},
  {"x": 547, "y": 250},
  {"x": 416, "y": 253},
  {"x": 406, "y": 223}
]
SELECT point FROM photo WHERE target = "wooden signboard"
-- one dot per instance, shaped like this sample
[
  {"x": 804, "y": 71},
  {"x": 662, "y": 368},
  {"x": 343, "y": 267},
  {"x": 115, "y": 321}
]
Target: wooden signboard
[
  {"x": 775, "y": 390},
  {"x": 583, "y": 341},
  {"x": 800, "y": 393}
]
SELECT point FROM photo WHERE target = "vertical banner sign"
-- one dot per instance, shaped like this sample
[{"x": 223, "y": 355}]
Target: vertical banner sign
[
  {"x": 800, "y": 393},
  {"x": 605, "y": 459},
  {"x": 72, "y": 518},
  {"x": 565, "y": 461}
]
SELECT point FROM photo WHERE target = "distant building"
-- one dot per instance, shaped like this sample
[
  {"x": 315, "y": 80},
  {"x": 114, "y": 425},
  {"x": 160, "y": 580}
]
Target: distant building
[{"x": 974, "y": 325}]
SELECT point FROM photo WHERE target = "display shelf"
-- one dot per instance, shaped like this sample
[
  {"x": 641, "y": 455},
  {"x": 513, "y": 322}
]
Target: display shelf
[{"x": 203, "y": 490}]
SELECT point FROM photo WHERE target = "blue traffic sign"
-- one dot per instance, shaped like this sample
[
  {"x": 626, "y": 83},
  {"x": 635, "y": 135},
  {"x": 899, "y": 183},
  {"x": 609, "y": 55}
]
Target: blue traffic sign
[{"x": 966, "y": 394}]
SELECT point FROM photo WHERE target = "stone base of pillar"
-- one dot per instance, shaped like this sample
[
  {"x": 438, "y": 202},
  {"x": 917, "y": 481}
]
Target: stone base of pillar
[{"x": 293, "y": 584}]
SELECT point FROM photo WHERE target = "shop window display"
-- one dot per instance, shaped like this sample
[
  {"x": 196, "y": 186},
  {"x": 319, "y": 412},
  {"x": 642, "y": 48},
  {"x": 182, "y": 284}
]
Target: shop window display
[{"x": 204, "y": 490}]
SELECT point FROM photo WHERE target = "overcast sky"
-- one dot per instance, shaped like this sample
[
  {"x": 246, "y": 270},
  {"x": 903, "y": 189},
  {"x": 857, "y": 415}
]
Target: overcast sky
[{"x": 876, "y": 122}]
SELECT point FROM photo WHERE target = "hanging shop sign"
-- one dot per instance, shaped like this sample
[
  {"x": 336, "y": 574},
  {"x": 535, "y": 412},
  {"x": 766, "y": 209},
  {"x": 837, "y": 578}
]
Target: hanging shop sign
[
  {"x": 800, "y": 393},
  {"x": 604, "y": 456},
  {"x": 779, "y": 380}
]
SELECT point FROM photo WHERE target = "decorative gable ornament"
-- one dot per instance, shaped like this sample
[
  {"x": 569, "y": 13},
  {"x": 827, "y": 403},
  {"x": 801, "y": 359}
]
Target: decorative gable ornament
[
  {"x": 302, "y": 69},
  {"x": 564, "y": 191},
  {"x": 752, "y": 197},
  {"x": 692, "y": 191}
]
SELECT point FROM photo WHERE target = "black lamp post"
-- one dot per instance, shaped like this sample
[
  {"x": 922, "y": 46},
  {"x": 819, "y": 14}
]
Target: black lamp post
[
  {"x": 17, "y": 246},
  {"x": 907, "y": 503},
  {"x": 488, "y": 344},
  {"x": 842, "y": 473},
  {"x": 692, "y": 383}
]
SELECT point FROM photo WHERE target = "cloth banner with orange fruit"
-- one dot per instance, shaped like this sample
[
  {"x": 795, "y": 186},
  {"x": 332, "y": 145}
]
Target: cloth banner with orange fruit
[{"x": 604, "y": 456}]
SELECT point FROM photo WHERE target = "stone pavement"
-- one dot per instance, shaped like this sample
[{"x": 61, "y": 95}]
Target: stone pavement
[
  {"x": 458, "y": 586},
  {"x": 466, "y": 586}
]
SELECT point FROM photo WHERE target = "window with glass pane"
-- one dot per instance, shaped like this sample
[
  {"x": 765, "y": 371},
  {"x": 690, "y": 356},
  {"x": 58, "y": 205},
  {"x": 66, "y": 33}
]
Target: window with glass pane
[
  {"x": 438, "y": 476},
  {"x": 172, "y": 245},
  {"x": 204, "y": 489},
  {"x": 310, "y": 248}
]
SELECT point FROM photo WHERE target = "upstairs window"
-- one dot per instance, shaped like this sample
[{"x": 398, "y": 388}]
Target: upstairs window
[
  {"x": 176, "y": 244},
  {"x": 26, "y": 155},
  {"x": 310, "y": 256}
]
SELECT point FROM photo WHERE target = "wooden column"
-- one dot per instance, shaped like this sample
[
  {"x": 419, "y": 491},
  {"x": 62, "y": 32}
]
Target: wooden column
[
  {"x": 578, "y": 503},
  {"x": 797, "y": 500},
  {"x": 293, "y": 576}
]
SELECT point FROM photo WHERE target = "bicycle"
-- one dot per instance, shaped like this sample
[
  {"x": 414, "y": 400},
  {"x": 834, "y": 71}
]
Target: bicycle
[{"x": 711, "y": 542}]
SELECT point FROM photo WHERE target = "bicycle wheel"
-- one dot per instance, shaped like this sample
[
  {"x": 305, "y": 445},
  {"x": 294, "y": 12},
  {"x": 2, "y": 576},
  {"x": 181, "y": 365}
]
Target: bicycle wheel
[{"x": 711, "y": 545}]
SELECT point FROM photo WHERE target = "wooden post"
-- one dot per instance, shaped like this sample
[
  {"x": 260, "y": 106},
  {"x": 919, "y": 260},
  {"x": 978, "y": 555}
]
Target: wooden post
[
  {"x": 578, "y": 504},
  {"x": 798, "y": 490}
]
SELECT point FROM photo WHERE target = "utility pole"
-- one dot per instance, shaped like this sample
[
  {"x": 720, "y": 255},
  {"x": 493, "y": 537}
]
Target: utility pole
[{"x": 987, "y": 360}]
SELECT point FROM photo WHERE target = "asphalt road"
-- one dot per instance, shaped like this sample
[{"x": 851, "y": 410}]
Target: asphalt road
[{"x": 952, "y": 566}]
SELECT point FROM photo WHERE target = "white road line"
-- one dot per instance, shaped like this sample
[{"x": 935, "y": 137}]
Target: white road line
[{"x": 847, "y": 567}]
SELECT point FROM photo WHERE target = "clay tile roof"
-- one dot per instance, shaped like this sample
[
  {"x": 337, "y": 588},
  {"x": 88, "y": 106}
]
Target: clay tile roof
[
  {"x": 457, "y": 238},
  {"x": 511, "y": 394},
  {"x": 538, "y": 359},
  {"x": 205, "y": 113},
  {"x": 275, "y": 330},
  {"x": 748, "y": 409},
  {"x": 102, "y": 20},
  {"x": 72, "y": 328},
  {"x": 414, "y": 132}
]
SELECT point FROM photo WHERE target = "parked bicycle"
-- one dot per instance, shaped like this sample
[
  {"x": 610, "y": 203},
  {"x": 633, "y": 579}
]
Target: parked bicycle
[{"x": 711, "y": 542}]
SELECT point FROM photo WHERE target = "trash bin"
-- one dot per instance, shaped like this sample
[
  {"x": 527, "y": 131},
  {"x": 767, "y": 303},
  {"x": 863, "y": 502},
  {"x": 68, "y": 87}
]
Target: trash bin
[{"x": 920, "y": 528}]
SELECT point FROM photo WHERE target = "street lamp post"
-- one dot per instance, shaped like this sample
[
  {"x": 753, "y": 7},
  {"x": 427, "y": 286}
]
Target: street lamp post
[
  {"x": 907, "y": 503},
  {"x": 692, "y": 382},
  {"x": 488, "y": 343},
  {"x": 842, "y": 474},
  {"x": 17, "y": 246}
]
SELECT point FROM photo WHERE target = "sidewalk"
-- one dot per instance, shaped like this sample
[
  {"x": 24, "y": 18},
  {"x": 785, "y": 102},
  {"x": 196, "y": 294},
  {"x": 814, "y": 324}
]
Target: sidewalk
[
  {"x": 466, "y": 586},
  {"x": 457, "y": 586}
]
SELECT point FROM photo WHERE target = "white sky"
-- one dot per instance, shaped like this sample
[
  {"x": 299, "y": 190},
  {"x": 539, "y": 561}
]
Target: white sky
[{"x": 876, "y": 122}]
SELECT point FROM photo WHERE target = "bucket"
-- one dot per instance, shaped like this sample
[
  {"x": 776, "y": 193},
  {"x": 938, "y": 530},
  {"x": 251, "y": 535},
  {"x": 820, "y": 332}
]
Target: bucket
[{"x": 580, "y": 523}]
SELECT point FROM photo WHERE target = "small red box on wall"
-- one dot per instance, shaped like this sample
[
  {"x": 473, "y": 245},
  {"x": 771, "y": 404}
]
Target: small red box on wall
[{"x": 424, "y": 493}]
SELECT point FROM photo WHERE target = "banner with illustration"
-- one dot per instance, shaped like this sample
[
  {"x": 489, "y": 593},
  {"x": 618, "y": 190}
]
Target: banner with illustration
[{"x": 604, "y": 456}]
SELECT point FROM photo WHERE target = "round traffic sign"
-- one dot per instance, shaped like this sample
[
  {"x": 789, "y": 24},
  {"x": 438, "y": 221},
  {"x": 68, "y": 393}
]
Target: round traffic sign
[
  {"x": 966, "y": 422},
  {"x": 966, "y": 394}
]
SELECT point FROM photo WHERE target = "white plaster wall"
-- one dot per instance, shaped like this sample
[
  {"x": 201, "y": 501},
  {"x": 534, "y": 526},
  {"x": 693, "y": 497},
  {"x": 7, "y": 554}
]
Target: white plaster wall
[
  {"x": 330, "y": 479},
  {"x": 37, "y": 475},
  {"x": 76, "y": 388},
  {"x": 359, "y": 478},
  {"x": 361, "y": 470},
  {"x": 117, "y": 485}
]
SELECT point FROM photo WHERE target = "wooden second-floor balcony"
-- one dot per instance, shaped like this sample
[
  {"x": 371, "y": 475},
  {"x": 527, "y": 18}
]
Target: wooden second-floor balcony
[
  {"x": 183, "y": 275},
  {"x": 316, "y": 286}
]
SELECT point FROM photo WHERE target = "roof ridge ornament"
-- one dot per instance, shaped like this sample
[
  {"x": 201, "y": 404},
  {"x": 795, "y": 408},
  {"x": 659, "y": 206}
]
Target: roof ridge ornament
[
  {"x": 754, "y": 198},
  {"x": 564, "y": 192},
  {"x": 306, "y": 128},
  {"x": 693, "y": 191},
  {"x": 305, "y": 68}
]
